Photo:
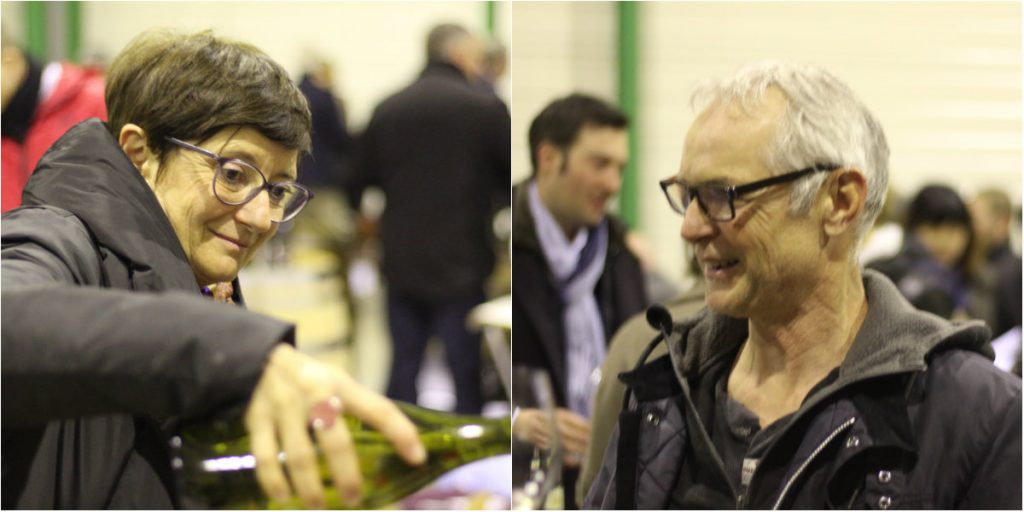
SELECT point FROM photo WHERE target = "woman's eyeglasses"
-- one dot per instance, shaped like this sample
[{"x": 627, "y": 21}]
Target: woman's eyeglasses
[{"x": 236, "y": 182}]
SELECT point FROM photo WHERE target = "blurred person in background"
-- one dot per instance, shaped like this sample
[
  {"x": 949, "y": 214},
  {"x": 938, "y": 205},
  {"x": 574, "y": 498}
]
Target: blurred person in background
[
  {"x": 325, "y": 165},
  {"x": 575, "y": 282},
  {"x": 328, "y": 226},
  {"x": 494, "y": 66},
  {"x": 933, "y": 269},
  {"x": 806, "y": 383},
  {"x": 439, "y": 151},
  {"x": 992, "y": 212},
  {"x": 108, "y": 340},
  {"x": 40, "y": 102}
]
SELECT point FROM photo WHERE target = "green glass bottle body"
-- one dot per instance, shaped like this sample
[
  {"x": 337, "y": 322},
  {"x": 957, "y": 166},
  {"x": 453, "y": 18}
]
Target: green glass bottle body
[{"x": 215, "y": 468}]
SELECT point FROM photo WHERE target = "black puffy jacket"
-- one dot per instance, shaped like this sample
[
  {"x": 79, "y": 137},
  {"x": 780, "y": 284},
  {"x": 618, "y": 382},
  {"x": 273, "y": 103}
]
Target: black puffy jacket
[
  {"x": 917, "y": 417},
  {"x": 106, "y": 338}
]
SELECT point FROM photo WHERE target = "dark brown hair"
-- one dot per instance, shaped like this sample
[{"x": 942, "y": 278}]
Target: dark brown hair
[
  {"x": 190, "y": 86},
  {"x": 562, "y": 120}
]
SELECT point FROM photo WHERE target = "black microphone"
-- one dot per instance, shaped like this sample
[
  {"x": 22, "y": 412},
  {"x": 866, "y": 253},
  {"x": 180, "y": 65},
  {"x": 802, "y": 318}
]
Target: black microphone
[{"x": 659, "y": 318}]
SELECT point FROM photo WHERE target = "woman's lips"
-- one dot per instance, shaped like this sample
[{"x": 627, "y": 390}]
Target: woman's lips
[{"x": 235, "y": 243}]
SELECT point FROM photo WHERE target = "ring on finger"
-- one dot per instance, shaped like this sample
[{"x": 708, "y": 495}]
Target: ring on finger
[{"x": 324, "y": 413}]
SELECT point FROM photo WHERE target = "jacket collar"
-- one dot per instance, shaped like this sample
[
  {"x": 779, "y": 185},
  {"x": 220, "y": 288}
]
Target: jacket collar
[
  {"x": 893, "y": 338},
  {"x": 86, "y": 173},
  {"x": 446, "y": 69}
]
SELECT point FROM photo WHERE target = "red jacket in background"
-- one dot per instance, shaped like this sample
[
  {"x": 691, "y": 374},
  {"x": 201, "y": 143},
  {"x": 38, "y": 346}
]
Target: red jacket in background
[{"x": 77, "y": 97}]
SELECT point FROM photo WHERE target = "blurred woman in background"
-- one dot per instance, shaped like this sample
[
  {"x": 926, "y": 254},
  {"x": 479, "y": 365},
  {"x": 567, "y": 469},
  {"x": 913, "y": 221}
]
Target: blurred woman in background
[{"x": 933, "y": 268}]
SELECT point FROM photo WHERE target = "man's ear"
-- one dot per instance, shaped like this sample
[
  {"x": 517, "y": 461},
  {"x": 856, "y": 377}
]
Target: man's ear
[
  {"x": 134, "y": 143},
  {"x": 844, "y": 201},
  {"x": 549, "y": 159}
]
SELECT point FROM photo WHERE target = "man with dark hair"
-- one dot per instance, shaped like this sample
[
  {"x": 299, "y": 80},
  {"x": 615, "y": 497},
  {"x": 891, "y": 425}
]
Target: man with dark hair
[
  {"x": 439, "y": 151},
  {"x": 575, "y": 281},
  {"x": 991, "y": 214}
]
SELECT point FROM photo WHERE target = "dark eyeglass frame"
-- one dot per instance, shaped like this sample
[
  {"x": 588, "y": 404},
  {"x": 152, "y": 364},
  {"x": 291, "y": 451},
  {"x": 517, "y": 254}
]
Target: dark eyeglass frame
[
  {"x": 731, "y": 191},
  {"x": 304, "y": 193}
]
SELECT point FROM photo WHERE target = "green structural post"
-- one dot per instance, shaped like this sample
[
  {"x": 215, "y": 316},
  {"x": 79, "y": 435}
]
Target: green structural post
[
  {"x": 35, "y": 23},
  {"x": 629, "y": 197},
  {"x": 491, "y": 7},
  {"x": 73, "y": 34}
]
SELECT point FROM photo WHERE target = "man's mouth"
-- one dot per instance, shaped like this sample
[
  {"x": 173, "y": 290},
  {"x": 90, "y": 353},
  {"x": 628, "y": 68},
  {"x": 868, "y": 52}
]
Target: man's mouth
[
  {"x": 722, "y": 264},
  {"x": 713, "y": 267}
]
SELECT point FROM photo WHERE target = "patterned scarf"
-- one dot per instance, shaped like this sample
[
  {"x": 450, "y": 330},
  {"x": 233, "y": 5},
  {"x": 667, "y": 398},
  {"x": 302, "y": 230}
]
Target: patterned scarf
[{"x": 577, "y": 266}]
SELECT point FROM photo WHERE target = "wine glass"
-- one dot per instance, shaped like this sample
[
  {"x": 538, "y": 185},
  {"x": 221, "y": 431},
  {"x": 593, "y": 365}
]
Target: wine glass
[{"x": 536, "y": 471}]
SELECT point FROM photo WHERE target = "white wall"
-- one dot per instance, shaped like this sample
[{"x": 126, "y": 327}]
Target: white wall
[
  {"x": 943, "y": 78},
  {"x": 12, "y": 15},
  {"x": 375, "y": 47},
  {"x": 557, "y": 48}
]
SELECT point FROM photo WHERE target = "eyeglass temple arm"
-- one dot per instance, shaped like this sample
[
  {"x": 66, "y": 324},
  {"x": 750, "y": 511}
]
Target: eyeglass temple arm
[{"x": 782, "y": 178}]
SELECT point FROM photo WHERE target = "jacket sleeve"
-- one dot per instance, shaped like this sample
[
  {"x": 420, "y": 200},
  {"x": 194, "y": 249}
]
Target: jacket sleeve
[
  {"x": 73, "y": 350},
  {"x": 499, "y": 133},
  {"x": 996, "y": 482},
  {"x": 602, "y": 493}
]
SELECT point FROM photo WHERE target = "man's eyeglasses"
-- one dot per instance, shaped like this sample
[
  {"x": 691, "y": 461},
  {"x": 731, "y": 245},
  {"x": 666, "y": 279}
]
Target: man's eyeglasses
[
  {"x": 236, "y": 182},
  {"x": 717, "y": 201}
]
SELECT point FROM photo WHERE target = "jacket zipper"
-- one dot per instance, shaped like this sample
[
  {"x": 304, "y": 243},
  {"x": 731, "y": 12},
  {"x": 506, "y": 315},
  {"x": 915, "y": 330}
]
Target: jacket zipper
[{"x": 799, "y": 471}]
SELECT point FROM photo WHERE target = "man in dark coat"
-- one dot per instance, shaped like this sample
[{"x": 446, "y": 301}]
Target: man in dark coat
[
  {"x": 439, "y": 151},
  {"x": 807, "y": 382},
  {"x": 991, "y": 214},
  {"x": 575, "y": 281}
]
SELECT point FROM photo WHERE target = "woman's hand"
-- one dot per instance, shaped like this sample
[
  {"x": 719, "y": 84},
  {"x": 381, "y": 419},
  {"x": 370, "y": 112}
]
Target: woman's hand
[{"x": 295, "y": 388}]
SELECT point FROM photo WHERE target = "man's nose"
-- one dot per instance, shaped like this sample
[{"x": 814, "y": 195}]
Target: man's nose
[
  {"x": 613, "y": 182},
  {"x": 696, "y": 225}
]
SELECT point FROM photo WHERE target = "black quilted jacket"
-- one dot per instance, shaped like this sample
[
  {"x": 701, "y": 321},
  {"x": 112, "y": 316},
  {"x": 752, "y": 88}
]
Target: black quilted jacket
[{"x": 918, "y": 417}]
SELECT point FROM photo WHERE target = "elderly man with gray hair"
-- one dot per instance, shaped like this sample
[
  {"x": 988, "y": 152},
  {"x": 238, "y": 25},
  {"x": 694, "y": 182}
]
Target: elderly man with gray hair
[{"x": 807, "y": 382}]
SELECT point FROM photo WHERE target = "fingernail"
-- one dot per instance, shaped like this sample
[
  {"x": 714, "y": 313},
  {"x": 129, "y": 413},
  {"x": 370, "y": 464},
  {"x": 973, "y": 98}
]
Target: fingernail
[
  {"x": 352, "y": 496},
  {"x": 419, "y": 454}
]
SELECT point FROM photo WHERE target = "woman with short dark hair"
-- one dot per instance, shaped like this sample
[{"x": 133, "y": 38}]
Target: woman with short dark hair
[
  {"x": 933, "y": 268},
  {"x": 108, "y": 341}
]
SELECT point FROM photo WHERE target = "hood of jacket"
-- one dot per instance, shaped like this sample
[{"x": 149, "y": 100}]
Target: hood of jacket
[
  {"x": 86, "y": 173},
  {"x": 893, "y": 338}
]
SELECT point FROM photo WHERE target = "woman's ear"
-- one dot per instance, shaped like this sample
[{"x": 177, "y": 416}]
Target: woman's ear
[{"x": 134, "y": 143}]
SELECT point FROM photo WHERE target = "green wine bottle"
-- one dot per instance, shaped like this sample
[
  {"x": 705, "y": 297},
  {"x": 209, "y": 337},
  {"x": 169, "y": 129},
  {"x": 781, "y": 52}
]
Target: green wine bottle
[{"x": 216, "y": 470}]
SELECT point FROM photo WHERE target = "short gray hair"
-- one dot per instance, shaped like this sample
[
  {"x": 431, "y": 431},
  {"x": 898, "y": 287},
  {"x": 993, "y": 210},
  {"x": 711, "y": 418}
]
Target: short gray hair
[
  {"x": 824, "y": 123},
  {"x": 440, "y": 40}
]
